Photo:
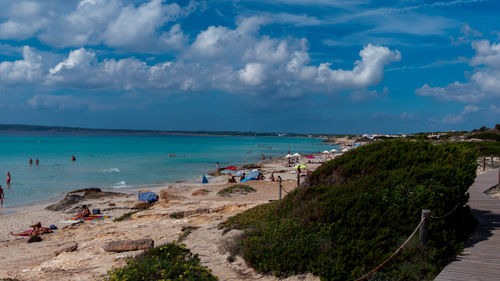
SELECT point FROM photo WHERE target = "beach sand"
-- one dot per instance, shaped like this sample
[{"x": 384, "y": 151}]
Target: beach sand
[{"x": 203, "y": 211}]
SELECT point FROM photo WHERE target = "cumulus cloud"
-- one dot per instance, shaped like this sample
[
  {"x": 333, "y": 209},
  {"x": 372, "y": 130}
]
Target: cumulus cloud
[
  {"x": 26, "y": 18},
  {"x": 235, "y": 60},
  {"x": 483, "y": 84},
  {"x": 94, "y": 22},
  {"x": 28, "y": 69}
]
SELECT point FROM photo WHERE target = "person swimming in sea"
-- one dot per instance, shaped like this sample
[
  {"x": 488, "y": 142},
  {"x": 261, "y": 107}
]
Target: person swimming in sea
[
  {"x": 8, "y": 177},
  {"x": 73, "y": 158}
]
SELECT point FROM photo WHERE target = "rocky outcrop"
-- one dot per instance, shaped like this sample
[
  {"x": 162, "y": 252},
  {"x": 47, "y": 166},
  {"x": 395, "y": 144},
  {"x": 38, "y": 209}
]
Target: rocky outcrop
[
  {"x": 129, "y": 245},
  {"x": 67, "y": 248},
  {"x": 67, "y": 204}
]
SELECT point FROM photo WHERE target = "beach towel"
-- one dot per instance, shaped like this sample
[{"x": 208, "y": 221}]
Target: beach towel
[
  {"x": 89, "y": 218},
  {"x": 251, "y": 176}
]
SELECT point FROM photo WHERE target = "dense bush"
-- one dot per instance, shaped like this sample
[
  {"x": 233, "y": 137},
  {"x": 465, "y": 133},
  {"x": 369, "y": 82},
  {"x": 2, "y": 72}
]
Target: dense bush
[
  {"x": 237, "y": 188},
  {"x": 354, "y": 211},
  {"x": 485, "y": 148},
  {"x": 486, "y": 135},
  {"x": 167, "y": 262}
]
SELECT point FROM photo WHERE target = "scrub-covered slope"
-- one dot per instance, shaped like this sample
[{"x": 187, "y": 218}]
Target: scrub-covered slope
[{"x": 355, "y": 211}]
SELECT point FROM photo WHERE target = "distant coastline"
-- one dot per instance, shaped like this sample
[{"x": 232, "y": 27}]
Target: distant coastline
[{"x": 79, "y": 130}]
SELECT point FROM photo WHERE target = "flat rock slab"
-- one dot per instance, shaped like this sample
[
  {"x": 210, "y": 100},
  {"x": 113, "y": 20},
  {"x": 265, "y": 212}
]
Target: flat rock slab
[
  {"x": 68, "y": 248},
  {"x": 129, "y": 245}
]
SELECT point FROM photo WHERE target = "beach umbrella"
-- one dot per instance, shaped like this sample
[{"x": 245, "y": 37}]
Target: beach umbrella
[
  {"x": 230, "y": 168},
  {"x": 345, "y": 149},
  {"x": 296, "y": 154},
  {"x": 326, "y": 152},
  {"x": 334, "y": 150},
  {"x": 288, "y": 156},
  {"x": 302, "y": 166}
]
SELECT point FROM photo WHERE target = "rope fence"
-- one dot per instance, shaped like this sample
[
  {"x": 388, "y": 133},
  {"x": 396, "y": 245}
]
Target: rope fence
[{"x": 423, "y": 226}]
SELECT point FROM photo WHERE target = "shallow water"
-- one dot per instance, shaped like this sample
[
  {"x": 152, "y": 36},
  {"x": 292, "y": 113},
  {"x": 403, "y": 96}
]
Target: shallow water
[{"x": 121, "y": 161}]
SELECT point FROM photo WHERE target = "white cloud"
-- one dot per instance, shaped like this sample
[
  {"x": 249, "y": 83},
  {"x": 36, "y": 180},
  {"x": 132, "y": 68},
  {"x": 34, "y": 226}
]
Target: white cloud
[
  {"x": 76, "y": 59},
  {"x": 366, "y": 72},
  {"x": 137, "y": 27},
  {"x": 26, "y": 17},
  {"x": 28, "y": 69},
  {"x": 483, "y": 84},
  {"x": 458, "y": 118},
  {"x": 60, "y": 103},
  {"x": 95, "y": 22},
  {"x": 252, "y": 74}
]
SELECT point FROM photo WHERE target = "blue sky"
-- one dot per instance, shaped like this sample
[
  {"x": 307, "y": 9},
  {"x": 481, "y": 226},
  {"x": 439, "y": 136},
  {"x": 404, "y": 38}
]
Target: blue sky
[{"x": 319, "y": 66}]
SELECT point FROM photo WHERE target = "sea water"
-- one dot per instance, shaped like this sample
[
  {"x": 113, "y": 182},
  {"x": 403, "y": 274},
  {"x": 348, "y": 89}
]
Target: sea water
[{"x": 124, "y": 161}]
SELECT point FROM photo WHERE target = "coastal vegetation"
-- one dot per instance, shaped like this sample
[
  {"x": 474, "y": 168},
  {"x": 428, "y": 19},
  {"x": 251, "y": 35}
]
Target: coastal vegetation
[
  {"x": 168, "y": 262},
  {"x": 125, "y": 216},
  {"x": 356, "y": 210},
  {"x": 237, "y": 188}
]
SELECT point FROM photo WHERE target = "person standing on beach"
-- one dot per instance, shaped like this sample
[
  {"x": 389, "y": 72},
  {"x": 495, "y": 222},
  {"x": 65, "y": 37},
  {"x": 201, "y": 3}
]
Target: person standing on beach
[
  {"x": 37, "y": 162},
  {"x": 8, "y": 177},
  {"x": 1, "y": 196},
  {"x": 31, "y": 161},
  {"x": 218, "y": 166}
]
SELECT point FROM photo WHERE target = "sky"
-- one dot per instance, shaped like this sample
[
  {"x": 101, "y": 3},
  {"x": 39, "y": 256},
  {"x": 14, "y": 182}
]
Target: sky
[{"x": 316, "y": 66}]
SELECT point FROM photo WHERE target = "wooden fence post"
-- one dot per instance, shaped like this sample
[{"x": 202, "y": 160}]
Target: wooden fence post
[
  {"x": 484, "y": 163},
  {"x": 279, "y": 181},
  {"x": 424, "y": 229}
]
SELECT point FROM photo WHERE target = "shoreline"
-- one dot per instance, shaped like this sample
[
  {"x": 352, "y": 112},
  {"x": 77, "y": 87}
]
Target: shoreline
[
  {"x": 182, "y": 205},
  {"x": 42, "y": 204}
]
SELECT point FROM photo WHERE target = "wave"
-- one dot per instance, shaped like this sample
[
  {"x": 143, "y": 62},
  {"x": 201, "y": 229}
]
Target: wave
[
  {"x": 120, "y": 184},
  {"x": 111, "y": 170}
]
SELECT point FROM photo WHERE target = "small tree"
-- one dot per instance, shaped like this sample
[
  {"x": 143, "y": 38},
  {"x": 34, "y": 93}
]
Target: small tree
[{"x": 497, "y": 127}]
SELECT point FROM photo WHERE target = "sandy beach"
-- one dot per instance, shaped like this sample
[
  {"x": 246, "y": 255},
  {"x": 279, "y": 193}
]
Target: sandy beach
[{"x": 201, "y": 211}]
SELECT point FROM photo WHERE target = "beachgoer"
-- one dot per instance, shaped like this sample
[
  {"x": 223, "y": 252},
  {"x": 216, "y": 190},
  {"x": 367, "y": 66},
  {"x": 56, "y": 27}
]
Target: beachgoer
[
  {"x": 31, "y": 161},
  {"x": 272, "y": 177},
  {"x": 242, "y": 177},
  {"x": 37, "y": 230},
  {"x": 231, "y": 180},
  {"x": 263, "y": 157},
  {"x": 8, "y": 177},
  {"x": 37, "y": 162},
  {"x": 218, "y": 166},
  {"x": 84, "y": 213},
  {"x": 73, "y": 158},
  {"x": 1, "y": 196}
]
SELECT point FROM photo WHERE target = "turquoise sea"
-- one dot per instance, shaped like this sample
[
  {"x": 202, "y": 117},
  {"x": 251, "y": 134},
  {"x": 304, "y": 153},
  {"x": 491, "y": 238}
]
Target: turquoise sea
[{"x": 124, "y": 161}]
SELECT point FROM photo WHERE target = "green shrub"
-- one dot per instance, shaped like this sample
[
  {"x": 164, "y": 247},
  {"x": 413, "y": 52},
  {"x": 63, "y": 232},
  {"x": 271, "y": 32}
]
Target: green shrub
[
  {"x": 167, "y": 262},
  {"x": 125, "y": 216},
  {"x": 356, "y": 210},
  {"x": 487, "y": 135},
  {"x": 237, "y": 188}
]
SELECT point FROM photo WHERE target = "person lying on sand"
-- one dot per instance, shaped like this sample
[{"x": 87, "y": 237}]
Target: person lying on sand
[
  {"x": 84, "y": 213},
  {"x": 231, "y": 180},
  {"x": 37, "y": 230}
]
